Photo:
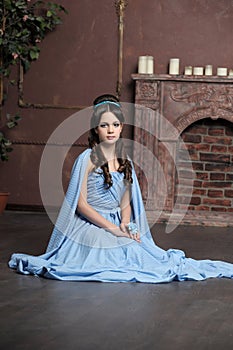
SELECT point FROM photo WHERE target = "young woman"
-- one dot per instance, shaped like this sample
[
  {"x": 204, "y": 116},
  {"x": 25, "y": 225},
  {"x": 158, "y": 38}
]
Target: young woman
[{"x": 101, "y": 233}]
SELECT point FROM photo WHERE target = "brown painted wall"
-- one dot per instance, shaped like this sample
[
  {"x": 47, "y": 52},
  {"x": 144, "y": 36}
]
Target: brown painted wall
[{"x": 79, "y": 61}]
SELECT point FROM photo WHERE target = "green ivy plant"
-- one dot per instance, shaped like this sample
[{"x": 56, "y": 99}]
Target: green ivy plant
[
  {"x": 5, "y": 143},
  {"x": 24, "y": 24}
]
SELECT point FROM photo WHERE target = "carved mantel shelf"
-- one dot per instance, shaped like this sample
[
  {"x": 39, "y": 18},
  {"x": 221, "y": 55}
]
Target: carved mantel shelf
[
  {"x": 174, "y": 103},
  {"x": 187, "y": 78}
]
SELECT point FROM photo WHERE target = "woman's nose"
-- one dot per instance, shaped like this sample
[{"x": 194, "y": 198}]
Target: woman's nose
[{"x": 110, "y": 128}]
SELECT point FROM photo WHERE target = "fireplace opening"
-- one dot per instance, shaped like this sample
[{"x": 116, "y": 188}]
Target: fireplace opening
[{"x": 210, "y": 148}]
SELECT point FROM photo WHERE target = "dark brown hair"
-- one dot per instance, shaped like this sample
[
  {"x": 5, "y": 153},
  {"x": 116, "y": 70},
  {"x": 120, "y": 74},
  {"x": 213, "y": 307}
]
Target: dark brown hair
[{"x": 102, "y": 104}]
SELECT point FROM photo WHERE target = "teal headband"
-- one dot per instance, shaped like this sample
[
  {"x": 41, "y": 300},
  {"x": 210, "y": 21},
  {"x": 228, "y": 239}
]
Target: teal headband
[{"x": 107, "y": 102}]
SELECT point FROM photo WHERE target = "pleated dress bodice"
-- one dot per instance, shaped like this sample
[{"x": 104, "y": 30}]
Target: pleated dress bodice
[{"x": 102, "y": 198}]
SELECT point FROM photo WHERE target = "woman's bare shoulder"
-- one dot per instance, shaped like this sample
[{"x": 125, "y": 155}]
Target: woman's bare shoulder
[{"x": 90, "y": 166}]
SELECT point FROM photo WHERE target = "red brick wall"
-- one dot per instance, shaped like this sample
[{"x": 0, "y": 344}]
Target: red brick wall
[{"x": 210, "y": 146}]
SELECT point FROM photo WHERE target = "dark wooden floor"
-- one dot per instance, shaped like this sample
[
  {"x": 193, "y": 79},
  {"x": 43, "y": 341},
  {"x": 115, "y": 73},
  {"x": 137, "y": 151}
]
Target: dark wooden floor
[{"x": 45, "y": 314}]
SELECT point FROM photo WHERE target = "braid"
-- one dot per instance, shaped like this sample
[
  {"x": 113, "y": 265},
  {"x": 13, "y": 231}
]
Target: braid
[
  {"x": 125, "y": 165},
  {"x": 99, "y": 161}
]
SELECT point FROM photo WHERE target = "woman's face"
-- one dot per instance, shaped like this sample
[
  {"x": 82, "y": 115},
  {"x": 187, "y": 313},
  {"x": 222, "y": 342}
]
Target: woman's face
[{"x": 109, "y": 128}]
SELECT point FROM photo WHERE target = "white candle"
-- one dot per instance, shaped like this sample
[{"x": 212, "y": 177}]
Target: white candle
[
  {"x": 198, "y": 70},
  {"x": 146, "y": 65},
  {"x": 174, "y": 66},
  {"x": 230, "y": 72},
  {"x": 208, "y": 69},
  {"x": 150, "y": 65},
  {"x": 188, "y": 70},
  {"x": 221, "y": 71},
  {"x": 142, "y": 64}
]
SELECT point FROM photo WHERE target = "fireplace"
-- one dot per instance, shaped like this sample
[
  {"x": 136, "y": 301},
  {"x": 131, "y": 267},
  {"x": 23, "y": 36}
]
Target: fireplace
[
  {"x": 187, "y": 123},
  {"x": 210, "y": 145}
]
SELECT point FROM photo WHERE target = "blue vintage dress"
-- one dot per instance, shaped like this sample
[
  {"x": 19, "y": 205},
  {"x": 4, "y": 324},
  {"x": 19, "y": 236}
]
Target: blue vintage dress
[{"x": 81, "y": 251}]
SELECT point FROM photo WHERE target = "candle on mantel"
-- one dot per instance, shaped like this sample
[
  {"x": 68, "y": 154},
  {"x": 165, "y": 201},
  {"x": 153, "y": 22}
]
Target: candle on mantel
[
  {"x": 146, "y": 65},
  {"x": 188, "y": 70},
  {"x": 230, "y": 72},
  {"x": 222, "y": 72},
  {"x": 208, "y": 69},
  {"x": 174, "y": 66},
  {"x": 198, "y": 71},
  {"x": 142, "y": 64}
]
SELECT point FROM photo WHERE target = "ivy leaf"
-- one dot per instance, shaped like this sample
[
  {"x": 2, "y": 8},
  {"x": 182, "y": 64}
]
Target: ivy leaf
[
  {"x": 17, "y": 117},
  {"x": 10, "y": 125},
  {"x": 34, "y": 54}
]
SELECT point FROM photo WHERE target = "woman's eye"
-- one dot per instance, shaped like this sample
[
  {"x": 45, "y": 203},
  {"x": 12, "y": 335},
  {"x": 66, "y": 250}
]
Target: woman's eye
[
  {"x": 116, "y": 125},
  {"x": 103, "y": 125}
]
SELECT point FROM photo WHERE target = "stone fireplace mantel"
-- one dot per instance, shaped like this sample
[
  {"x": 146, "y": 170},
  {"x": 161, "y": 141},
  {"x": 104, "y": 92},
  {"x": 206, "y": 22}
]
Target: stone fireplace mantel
[{"x": 173, "y": 103}]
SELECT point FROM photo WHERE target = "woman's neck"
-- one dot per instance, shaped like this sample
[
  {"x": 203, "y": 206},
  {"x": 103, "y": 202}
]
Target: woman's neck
[
  {"x": 109, "y": 152},
  {"x": 110, "y": 156}
]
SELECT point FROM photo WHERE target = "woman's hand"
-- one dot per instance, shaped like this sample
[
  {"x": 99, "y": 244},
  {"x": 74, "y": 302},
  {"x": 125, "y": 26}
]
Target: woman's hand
[
  {"x": 124, "y": 228},
  {"x": 118, "y": 232}
]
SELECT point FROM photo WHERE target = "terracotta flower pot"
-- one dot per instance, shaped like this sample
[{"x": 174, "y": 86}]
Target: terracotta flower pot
[{"x": 3, "y": 201}]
